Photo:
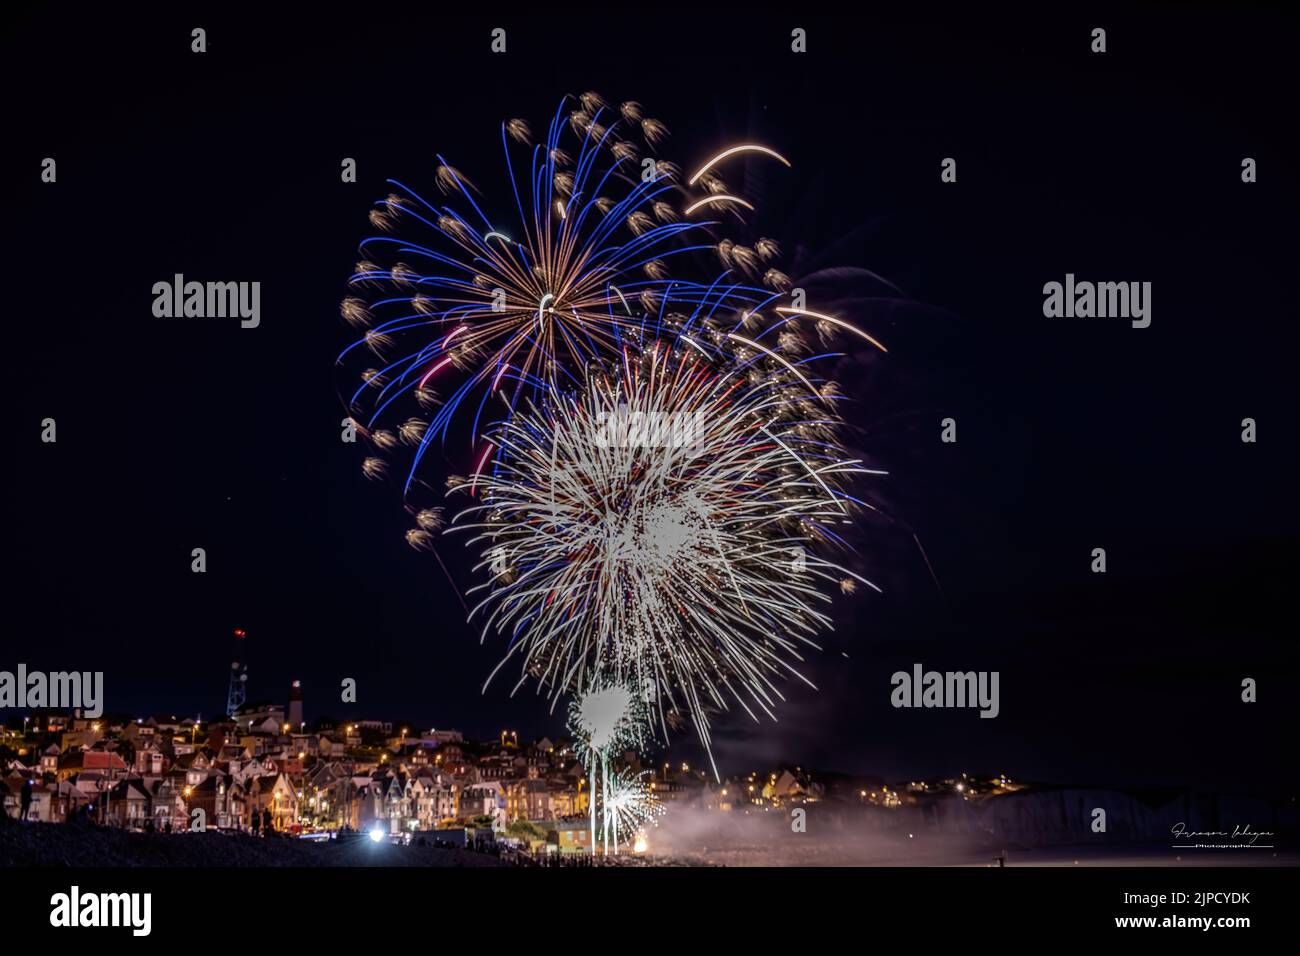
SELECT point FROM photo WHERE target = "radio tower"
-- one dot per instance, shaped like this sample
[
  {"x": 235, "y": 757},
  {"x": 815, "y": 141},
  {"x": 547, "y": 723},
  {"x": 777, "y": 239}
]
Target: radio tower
[{"x": 238, "y": 677}]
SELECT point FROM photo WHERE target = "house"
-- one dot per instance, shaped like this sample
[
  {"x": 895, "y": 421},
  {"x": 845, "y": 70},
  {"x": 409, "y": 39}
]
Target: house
[
  {"x": 674, "y": 786},
  {"x": 574, "y": 781},
  {"x": 272, "y": 792},
  {"x": 326, "y": 796},
  {"x": 90, "y": 782},
  {"x": 234, "y": 753},
  {"x": 503, "y": 765},
  {"x": 385, "y": 802},
  {"x": 451, "y": 757},
  {"x": 50, "y": 802},
  {"x": 269, "y": 718},
  {"x": 791, "y": 786},
  {"x": 569, "y": 836},
  {"x": 126, "y": 804},
  {"x": 402, "y": 804},
  {"x": 47, "y": 722},
  {"x": 81, "y": 737},
  {"x": 199, "y": 760},
  {"x": 58, "y": 802},
  {"x": 149, "y": 761},
  {"x": 247, "y": 768},
  {"x": 188, "y": 772},
  {"x": 220, "y": 799},
  {"x": 103, "y": 762},
  {"x": 436, "y": 738},
  {"x": 50, "y": 759},
  {"x": 168, "y": 724},
  {"x": 566, "y": 800},
  {"x": 433, "y": 798},
  {"x": 140, "y": 733},
  {"x": 529, "y": 799},
  {"x": 486, "y": 798},
  {"x": 290, "y": 766},
  {"x": 167, "y": 804},
  {"x": 258, "y": 741},
  {"x": 307, "y": 745}
]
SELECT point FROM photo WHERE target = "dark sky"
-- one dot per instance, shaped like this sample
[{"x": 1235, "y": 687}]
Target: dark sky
[{"x": 1072, "y": 434}]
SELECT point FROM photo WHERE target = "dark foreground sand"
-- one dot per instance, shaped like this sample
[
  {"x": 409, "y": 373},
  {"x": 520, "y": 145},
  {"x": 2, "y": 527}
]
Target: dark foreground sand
[{"x": 47, "y": 844}]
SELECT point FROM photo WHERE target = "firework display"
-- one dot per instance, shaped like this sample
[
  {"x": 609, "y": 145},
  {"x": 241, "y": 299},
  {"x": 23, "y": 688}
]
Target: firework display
[
  {"x": 659, "y": 490},
  {"x": 606, "y": 720},
  {"x": 627, "y": 804},
  {"x": 483, "y": 417},
  {"x": 681, "y": 559},
  {"x": 601, "y": 242}
]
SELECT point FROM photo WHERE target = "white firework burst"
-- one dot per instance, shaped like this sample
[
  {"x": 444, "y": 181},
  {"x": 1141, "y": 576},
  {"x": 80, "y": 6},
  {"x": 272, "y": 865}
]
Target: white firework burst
[
  {"x": 608, "y": 719},
  {"x": 605, "y": 719},
  {"x": 662, "y": 529},
  {"x": 627, "y": 804}
]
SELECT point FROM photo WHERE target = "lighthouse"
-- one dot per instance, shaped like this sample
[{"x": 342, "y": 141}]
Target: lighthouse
[{"x": 294, "y": 716}]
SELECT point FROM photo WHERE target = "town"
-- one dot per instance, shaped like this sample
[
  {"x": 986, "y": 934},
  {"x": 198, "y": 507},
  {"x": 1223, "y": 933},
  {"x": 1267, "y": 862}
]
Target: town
[{"x": 264, "y": 770}]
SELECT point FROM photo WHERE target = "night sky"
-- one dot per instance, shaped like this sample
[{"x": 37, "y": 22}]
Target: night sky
[{"x": 1072, "y": 434}]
